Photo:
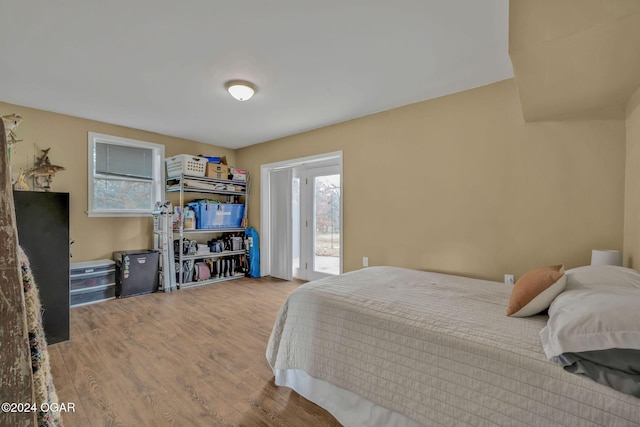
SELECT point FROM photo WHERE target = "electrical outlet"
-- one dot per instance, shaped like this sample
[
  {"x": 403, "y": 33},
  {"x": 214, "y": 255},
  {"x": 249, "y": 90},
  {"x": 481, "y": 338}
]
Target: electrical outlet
[
  {"x": 365, "y": 261},
  {"x": 508, "y": 279}
]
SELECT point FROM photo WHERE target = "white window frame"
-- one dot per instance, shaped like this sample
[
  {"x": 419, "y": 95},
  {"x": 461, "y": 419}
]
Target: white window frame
[{"x": 158, "y": 171}]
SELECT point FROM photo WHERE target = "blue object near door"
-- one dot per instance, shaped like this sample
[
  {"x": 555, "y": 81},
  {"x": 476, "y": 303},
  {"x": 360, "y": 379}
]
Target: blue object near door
[{"x": 254, "y": 251}]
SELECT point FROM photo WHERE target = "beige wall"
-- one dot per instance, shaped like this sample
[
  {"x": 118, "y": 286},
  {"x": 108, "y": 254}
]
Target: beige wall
[
  {"x": 575, "y": 58},
  {"x": 67, "y": 137},
  {"x": 458, "y": 184},
  {"x": 632, "y": 187},
  {"x": 461, "y": 184}
]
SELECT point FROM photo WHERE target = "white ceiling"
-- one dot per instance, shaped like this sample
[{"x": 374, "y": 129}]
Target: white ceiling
[{"x": 161, "y": 65}]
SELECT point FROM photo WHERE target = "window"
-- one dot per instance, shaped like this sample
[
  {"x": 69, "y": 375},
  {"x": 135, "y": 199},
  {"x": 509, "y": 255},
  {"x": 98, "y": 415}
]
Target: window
[{"x": 125, "y": 176}]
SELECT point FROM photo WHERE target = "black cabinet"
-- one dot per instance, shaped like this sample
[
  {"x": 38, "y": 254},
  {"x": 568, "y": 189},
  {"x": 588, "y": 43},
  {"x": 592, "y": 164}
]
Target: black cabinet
[{"x": 43, "y": 233}]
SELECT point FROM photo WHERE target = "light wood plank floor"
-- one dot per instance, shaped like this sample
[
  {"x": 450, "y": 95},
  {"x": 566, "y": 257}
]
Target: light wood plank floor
[{"x": 195, "y": 357}]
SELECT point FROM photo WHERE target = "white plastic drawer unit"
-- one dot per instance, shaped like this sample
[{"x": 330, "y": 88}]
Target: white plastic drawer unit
[{"x": 92, "y": 281}]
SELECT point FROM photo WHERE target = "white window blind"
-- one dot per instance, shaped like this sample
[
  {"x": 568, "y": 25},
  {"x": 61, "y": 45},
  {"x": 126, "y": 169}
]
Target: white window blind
[{"x": 121, "y": 160}]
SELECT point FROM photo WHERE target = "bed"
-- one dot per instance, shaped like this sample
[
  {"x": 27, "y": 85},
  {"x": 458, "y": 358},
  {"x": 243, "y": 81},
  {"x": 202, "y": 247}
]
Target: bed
[{"x": 386, "y": 346}]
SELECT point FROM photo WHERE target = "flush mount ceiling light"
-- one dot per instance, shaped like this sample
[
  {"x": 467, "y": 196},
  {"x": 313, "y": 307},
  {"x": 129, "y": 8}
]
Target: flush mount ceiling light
[{"x": 241, "y": 90}]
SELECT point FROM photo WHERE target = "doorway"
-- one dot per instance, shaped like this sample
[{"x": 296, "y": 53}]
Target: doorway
[
  {"x": 301, "y": 217},
  {"x": 316, "y": 222}
]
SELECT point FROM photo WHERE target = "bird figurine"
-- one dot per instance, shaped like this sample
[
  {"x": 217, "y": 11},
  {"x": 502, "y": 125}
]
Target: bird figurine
[
  {"x": 11, "y": 122},
  {"x": 44, "y": 159}
]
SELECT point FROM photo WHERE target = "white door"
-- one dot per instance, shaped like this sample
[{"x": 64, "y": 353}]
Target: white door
[
  {"x": 316, "y": 222},
  {"x": 280, "y": 213}
]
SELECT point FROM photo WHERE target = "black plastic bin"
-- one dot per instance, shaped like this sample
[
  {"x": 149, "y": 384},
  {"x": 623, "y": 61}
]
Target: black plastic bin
[{"x": 136, "y": 272}]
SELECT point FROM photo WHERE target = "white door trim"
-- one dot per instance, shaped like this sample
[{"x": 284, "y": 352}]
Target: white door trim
[{"x": 265, "y": 201}]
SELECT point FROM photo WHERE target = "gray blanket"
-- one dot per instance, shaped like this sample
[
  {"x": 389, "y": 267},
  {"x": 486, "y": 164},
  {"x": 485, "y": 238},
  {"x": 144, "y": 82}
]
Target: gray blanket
[{"x": 618, "y": 368}]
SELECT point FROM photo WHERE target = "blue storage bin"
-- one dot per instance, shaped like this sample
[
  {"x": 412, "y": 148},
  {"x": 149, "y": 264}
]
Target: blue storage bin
[{"x": 217, "y": 215}]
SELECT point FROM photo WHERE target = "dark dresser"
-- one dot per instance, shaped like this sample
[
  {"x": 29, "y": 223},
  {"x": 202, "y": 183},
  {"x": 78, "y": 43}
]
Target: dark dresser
[{"x": 43, "y": 233}]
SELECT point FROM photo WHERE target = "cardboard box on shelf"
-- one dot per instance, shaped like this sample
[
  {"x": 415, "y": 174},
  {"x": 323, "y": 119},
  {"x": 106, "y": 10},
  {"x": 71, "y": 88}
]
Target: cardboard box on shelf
[
  {"x": 239, "y": 174},
  {"x": 217, "y": 170}
]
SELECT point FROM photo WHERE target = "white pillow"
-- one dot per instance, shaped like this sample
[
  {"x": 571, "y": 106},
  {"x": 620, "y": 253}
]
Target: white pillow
[
  {"x": 592, "y": 319},
  {"x": 602, "y": 275}
]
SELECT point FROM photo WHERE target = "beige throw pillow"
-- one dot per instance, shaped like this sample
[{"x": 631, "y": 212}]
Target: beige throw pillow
[{"x": 535, "y": 291}]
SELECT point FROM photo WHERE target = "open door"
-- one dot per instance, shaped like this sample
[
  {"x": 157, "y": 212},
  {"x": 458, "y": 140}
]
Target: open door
[
  {"x": 316, "y": 223},
  {"x": 301, "y": 217}
]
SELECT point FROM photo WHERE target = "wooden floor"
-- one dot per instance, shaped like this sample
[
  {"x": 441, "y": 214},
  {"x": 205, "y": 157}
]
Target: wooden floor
[{"x": 195, "y": 357}]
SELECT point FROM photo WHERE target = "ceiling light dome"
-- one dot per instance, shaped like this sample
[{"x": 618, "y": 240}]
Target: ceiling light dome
[{"x": 240, "y": 89}]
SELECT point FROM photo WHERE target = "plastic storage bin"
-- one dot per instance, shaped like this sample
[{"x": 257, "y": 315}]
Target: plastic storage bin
[
  {"x": 186, "y": 164},
  {"x": 212, "y": 159},
  {"x": 92, "y": 281},
  {"x": 217, "y": 215}
]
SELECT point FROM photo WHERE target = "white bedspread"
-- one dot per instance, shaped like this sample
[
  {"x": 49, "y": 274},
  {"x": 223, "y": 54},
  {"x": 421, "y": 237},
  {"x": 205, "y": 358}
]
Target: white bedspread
[{"x": 438, "y": 349}]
